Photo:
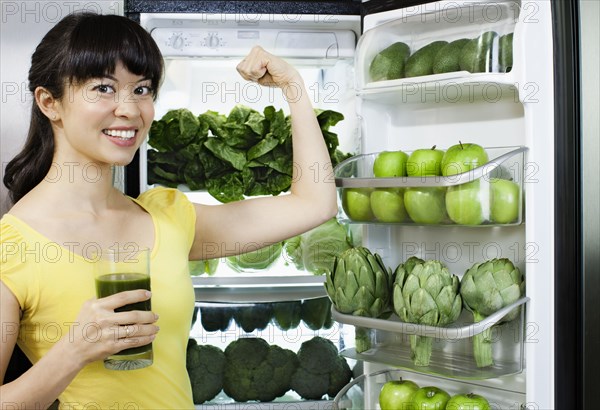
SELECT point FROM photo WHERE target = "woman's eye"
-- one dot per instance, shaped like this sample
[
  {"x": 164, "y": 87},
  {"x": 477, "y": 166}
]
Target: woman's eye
[
  {"x": 104, "y": 89},
  {"x": 143, "y": 90}
]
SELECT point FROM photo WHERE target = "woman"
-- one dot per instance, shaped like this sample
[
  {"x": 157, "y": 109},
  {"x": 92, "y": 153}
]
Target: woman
[{"x": 95, "y": 79}]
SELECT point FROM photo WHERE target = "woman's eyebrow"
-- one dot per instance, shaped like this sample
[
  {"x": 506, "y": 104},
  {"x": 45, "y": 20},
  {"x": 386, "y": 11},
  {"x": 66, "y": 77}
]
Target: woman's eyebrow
[{"x": 112, "y": 77}]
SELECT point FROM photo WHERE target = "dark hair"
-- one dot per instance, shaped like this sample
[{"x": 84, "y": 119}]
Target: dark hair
[{"x": 80, "y": 47}]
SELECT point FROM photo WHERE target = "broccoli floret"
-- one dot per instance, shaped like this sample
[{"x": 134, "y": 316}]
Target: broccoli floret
[
  {"x": 339, "y": 377},
  {"x": 321, "y": 370},
  {"x": 254, "y": 370},
  {"x": 205, "y": 365},
  {"x": 318, "y": 355}
]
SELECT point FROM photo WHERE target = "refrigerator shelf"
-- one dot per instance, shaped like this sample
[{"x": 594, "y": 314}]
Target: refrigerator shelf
[
  {"x": 478, "y": 197},
  {"x": 258, "y": 289},
  {"x": 459, "y": 40},
  {"x": 273, "y": 405},
  {"x": 452, "y": 346},
  {"x": 451, "y": 88},
  {"x": 445, "y": 333},
  {"x": 363, "y": 391}
]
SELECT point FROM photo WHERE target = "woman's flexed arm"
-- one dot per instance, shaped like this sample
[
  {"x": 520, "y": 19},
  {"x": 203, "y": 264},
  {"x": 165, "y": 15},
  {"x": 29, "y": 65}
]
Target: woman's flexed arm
[{"x": 227, "y": 229}]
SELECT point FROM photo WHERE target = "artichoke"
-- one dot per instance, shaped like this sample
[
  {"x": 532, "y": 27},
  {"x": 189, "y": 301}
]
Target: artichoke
[
  {"x": 360, "y": 284},
  {"x": 426, "y": 293},
  {"x": 486, "y": 288}
]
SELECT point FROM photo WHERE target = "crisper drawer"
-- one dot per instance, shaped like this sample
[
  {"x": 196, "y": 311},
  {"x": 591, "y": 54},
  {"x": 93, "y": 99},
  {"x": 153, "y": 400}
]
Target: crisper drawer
[{"x": 266, "y": 346}]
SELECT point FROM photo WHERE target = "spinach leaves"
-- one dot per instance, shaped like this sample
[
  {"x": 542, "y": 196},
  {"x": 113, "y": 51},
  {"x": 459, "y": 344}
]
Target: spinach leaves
[{"x": 246, "y": 153}]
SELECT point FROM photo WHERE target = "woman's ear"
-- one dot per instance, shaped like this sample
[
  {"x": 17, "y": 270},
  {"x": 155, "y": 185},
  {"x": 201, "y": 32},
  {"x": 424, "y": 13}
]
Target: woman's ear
[{"x": 47, "y": 103}]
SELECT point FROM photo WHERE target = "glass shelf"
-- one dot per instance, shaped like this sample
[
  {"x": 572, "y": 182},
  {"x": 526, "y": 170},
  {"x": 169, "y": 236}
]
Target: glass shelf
[
  {"x": 452, "y": 347},
  {"x": 450, "y": 200}
]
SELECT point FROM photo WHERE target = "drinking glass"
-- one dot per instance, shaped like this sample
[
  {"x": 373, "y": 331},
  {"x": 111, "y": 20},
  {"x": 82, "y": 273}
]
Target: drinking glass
[{"x": 118, "y": 270}]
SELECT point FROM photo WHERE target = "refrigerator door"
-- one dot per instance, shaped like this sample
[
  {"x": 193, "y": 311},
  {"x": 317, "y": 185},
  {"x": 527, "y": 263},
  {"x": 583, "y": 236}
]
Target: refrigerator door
[
  {"x": 589, "y": 12},
  {"x": 420, "y": 112}
]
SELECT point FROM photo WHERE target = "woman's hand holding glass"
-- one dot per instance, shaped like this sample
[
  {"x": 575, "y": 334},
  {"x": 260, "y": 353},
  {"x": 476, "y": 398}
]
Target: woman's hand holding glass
[{"x": 101, "y": 332}]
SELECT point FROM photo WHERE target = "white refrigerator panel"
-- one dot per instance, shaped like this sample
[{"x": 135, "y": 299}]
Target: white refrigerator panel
[{"x": 493, "y": 110}]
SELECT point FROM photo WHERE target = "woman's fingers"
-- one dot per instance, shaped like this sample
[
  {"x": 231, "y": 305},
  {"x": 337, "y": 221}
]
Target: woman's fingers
[
  {"x": 135, "y": 331},
  {"x": 265, "y": 68},
  {"x": 134, "y": 316}
]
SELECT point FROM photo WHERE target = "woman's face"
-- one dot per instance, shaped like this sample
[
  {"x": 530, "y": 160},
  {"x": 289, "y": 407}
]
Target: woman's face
[{"x": 105, "y": 120}]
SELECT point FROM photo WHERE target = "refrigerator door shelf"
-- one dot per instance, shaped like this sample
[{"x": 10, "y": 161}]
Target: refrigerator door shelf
[
  {"x": 476, "y": 38},
  {"x": 363, "y": 391},
  {"x": 489, "y": 195},
  {"x": 450, "y": 333},
  {"x": 450, "y": 88},
  {"x": 452, "y": 347}
]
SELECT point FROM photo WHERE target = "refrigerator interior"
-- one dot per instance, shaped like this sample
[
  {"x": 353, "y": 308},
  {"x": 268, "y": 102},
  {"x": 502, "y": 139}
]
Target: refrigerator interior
[
  {"x": 492, "y": 109},
  {"x": 201, "y": 53}
]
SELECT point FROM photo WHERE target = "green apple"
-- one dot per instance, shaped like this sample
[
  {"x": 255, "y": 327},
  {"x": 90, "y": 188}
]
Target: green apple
[
  {"x": 430, "y": 398},
  {"x": 425, "y": 205},
  {"x": 424, "y": 162},
  {"x": 356, "y": 203},
  {"x": 390, "y": 164},
  {"x": 468, "y": 401},
  {"x": 464, "y": 203},
  {"x": 397, "y": 395},
  {"x": 505, "y": 199},
  {"x": 461, "y": 158},
  {"x": 387, "y": 204}
]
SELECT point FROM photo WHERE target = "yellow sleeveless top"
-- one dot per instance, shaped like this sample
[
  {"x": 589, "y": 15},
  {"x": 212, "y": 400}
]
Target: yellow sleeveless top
[{"x": 51, "y": 283}]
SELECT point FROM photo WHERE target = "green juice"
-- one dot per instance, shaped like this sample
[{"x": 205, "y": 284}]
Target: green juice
[{"x": 112, "y": 283}]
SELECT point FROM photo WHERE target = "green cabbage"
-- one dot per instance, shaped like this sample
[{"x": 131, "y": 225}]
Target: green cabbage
[
  {"x": 255, "y": 260},
  {"x": 315, "y": 250}
]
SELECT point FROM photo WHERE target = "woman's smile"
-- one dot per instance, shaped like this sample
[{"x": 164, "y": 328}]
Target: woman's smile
[{"x": 121, "y": 137}]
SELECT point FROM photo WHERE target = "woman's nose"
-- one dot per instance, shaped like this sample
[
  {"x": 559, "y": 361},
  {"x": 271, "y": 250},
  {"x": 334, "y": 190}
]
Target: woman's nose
[{"x": 127, "y": 106}]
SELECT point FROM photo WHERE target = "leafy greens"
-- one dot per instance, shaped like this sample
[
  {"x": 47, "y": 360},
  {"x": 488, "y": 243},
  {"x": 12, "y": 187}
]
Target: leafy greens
[{"x": 246, "y": 153}]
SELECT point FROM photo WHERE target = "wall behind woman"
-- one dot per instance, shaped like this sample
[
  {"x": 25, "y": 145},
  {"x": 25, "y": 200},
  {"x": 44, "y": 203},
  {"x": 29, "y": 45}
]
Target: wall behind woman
[{"x": 22, "y": 26}]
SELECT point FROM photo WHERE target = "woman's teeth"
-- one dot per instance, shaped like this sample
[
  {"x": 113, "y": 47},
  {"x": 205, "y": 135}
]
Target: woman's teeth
[{"x": 121, "y": 134}]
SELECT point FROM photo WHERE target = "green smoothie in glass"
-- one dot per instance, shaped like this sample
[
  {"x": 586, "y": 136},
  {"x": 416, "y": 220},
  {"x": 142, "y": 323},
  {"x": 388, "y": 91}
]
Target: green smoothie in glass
[
  {"x": 120, "y": 270},
  {"x": 112, "y": 283}
]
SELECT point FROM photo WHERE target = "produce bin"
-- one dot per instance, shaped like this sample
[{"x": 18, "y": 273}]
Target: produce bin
[
  {"x": 443, "y": 43},
  {"x": 489, "y": 195},
  {"x": 452, "y": 347}
]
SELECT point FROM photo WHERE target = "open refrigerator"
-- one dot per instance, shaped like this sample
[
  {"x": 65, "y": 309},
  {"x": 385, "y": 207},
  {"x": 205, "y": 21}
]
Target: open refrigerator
[{"x": 507, "y": 108}]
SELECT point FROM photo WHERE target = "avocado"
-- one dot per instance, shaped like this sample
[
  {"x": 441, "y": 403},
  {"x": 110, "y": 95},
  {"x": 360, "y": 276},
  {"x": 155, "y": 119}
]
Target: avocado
[
  {"x": 287, "y": 315},
  {"x": 215, "y": 319},
  {"x": 476, "y": 55},
  {"x": 506, "y": 57},
  {"x": 315, "y": 312},
  {"x": 447, "y": 59},
  {"x": 388, "y": 64},
  {"x": 421, "y": 62}
]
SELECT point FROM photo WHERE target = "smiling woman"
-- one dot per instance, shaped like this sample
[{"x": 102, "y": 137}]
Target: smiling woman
[
  {"x": 94, "y": 79},
  {"x": 80, "y": 48}
]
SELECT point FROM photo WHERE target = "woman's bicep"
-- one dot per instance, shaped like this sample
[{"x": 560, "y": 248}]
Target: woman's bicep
[
  {"x": 10, "y": 313},
  {"x": 228, "y": 229}
]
